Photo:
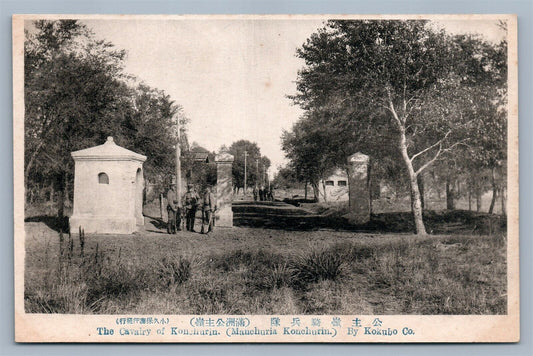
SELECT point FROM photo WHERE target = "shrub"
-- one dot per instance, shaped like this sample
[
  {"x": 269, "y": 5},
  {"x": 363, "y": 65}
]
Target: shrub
[
  {"x": 208, "y": 297},
  {"x": 114, "y": 281},
  {"x": 66, "y": 294},
  {"x": 317, "y": 266},
  {"x": 355, "y": 252},
  {"x": 173, "y": 272},
  {"x": 252, "y": 259},
  {"x": 270, "y": 277},
  {"x": 280, "y": 276}
]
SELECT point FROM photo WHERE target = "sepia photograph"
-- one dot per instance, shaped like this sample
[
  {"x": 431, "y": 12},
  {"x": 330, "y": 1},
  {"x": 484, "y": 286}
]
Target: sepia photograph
[{"x": 273, "y": 178}]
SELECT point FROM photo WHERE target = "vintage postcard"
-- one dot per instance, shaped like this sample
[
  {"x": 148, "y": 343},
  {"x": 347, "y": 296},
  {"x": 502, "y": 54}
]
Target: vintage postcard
[{"x": 254, "y": 178}]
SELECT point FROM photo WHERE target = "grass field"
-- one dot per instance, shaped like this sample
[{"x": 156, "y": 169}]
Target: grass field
[{"x": 258, "y": 270}]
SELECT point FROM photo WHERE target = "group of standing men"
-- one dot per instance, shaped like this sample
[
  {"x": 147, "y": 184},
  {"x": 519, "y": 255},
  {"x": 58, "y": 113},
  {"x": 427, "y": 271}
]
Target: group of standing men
[
  {"x": 190, "y": 201},
  {"x": 263, "y": 194}
]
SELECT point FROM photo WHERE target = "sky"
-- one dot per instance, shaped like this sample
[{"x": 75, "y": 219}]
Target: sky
[{"x": 231, "y": 77}]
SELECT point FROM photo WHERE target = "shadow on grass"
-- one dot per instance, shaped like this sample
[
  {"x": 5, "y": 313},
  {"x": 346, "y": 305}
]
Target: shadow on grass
[
  {"x": 157, "y": 223},
  {"x": 53, "y": 222},
  {"x": 283, "y": 216},
  {"x": 298, "y": 201},
  {"x": 273, "y": 215},
  {"x": 279, "y": 215}
]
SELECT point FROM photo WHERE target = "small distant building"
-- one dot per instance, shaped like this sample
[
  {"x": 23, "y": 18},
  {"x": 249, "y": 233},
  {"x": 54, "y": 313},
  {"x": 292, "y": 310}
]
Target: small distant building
[
  {"x": 108, "y": 190},
  {"x": 198, "y": 154},
  {"x": 350, "y": 185},
  {"x": 335, "y": 187}
]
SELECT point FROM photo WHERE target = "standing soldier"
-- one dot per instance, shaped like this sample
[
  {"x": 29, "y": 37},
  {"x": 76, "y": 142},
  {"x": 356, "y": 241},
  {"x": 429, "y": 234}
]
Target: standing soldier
[
  {"x": 255, "y": 192},
  {"x": 271, "y": 194},
  {"x": 261, "y": 193},
  {"x": 208, "y": 208},
  {"x": 172, "y": 210},
  {"x": 190, "y": 200}
]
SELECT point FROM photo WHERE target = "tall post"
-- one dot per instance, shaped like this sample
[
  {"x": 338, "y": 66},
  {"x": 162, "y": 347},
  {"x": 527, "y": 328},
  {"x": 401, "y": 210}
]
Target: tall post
[
  {"x": 224, "y": 196},
  {"x": 360, "y": 203},
  {"x": 245, "y": 154},
  {"x": 178, "y": 164}
]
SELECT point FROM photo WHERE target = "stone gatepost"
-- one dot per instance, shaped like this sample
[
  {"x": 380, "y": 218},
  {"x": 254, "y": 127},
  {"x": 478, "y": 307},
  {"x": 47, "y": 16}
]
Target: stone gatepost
[
  {"x": 224, "y": 194},
  {"x": 359, "y": 188}
]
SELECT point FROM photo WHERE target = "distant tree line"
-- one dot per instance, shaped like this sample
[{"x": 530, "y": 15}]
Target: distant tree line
[
  {"x": 76, "y": 94},
  {"x": 424, "y": 104},
  {"x": 256, "y": 165}
]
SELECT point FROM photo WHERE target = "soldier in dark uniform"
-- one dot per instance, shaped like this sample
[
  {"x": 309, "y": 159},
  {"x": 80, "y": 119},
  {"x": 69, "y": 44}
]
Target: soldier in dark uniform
[
  {"x": 271, "y": 194},
  {"x": 255, "y": 192},
  {"x": 190, "y": 201},
  {"x": 208, "y": 209},
  {"x": 172, "y": 210}
]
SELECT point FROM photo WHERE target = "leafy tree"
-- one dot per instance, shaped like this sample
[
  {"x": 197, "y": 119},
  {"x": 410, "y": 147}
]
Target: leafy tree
[
  {"x": 286, "y": 178},
  {"x": 71, "y": 92},
  {"x": 253, "y": 163},
  {"x": 263, "y": 166},
  {"x": 488, "y": 148},
  {"x": 151, "y": 129},
  {"x": 481, "y": 162},
  {"x": 414, "y": 79},
  {"x": 303, "y": 146},
  {"x": 76, "y": 95}
]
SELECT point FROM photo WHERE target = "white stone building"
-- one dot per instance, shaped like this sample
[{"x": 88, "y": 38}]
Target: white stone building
[
  {"x": 335, "y": 187},
  {"x": 108, "y": 190}
]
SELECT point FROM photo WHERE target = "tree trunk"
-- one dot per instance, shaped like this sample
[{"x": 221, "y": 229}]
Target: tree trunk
[
  {"x": 29, "y": 166},
  {"x": 478, "y": 199},
  {"x": 469, "y": 199},
  {"x": 369, "y": 185},
  {"x": 315, "y": 191},
  {"x": 494, "y": 191},
  {"x": 503, "y": 198},
  {"x": 161, "y": 207},
  {"x": 61, "y": 186},
  {"x": 421, "y": 188},
  {"x": 416, "y": 204},
  {"x": 305, "y": 196},
  {"x": 51, "y": 197},
  {"x": 67, "y": 190},
  {"x": 324, "y": 190},
  {"x": 61, "y": 203},
  {"x": 449, "y": 195},
  {"x": 493, "y": 200}
]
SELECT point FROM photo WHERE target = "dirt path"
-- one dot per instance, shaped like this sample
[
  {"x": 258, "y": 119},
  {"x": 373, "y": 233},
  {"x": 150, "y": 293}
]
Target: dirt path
[
  {"x": 250, "y": 214},
  {"x": 273, "y": 215}
]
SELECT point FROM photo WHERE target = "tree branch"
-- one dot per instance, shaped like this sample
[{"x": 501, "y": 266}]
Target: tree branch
[
  {"x": 439, "y": 152},
  {"x": 390, "y": 107},
  {"x": 430, "y": 161},
  {"x": 404, "y": 96},
  {"x": 408, "y": 113},
  {"x": 430, "y": 147},
  {"x": 54, "y": 161}
]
